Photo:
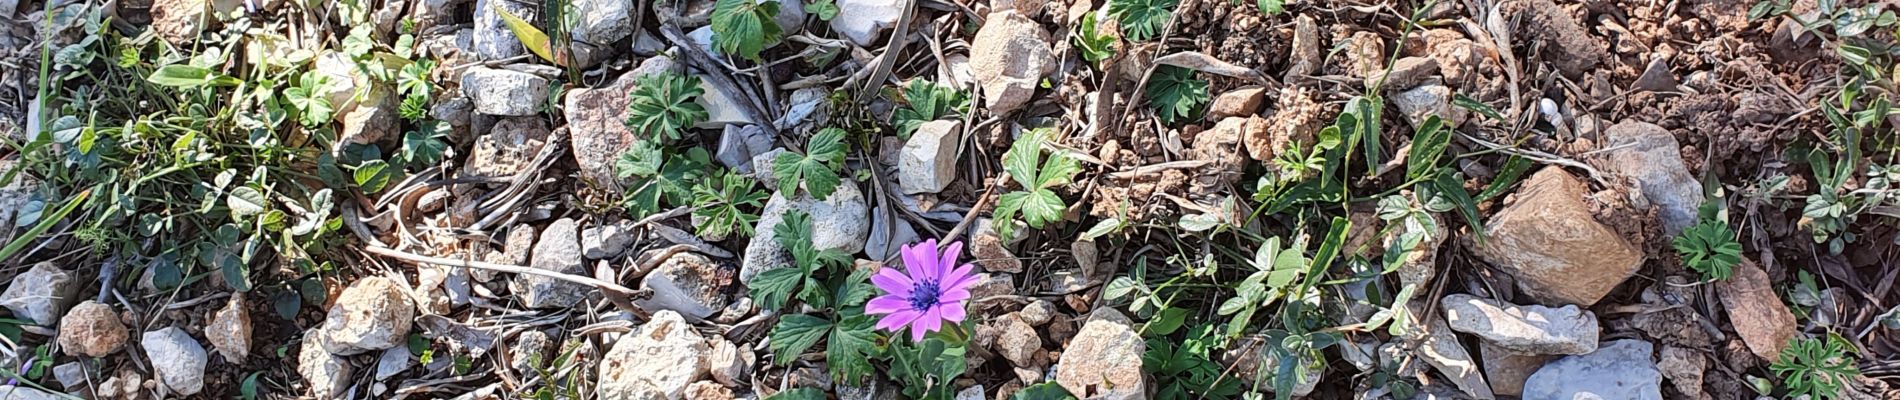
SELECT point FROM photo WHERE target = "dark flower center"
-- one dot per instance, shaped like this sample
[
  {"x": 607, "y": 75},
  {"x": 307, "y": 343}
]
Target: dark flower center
[{"x": 924, "y": 295}]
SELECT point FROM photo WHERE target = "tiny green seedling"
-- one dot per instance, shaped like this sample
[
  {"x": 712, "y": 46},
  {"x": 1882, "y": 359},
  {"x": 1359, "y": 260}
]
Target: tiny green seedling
[
  {"x": 1142, "y": 19},
  {"x": 1176, "y": 95},
  {"x": 661, "y": 106},
  {"x": 745, "y": 27},
  {"x": 817, "y": 168},
  {"x": 1037, "y": 202},
  {"x": 1816, "y": 367}
]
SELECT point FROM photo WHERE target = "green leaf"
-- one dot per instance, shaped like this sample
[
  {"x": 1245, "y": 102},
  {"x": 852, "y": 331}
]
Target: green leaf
[
  {"x": 186, "y": 76},
  {"x": 1166, "y": 322},
  {"x": 1118, "y": 288},
  {"x": 1023, "y": 157},
  {"x": 744, "y": 27},
  {"x": 1468, "y": 103},
  {"x": 773, "y": 288},
  {"x": 1142, "y": 19},
  {"x": 663, "y": 106},
  {"x": 245, "y": 201},
  {"x": 531, "y": 37},
  {"x": 1175, "y": 95},
  {"x": 816, "y": 168},
  {"x": 1040, "y": 207},
  {"x": 1428, "y": 146},
  {"x": 1709, "y": 248},
  {"x": 928, "y": 102},
  {"x": 1096, "y": 46},
  {"x": 824, "y": 9},
  {"x": 373, "y": 175},
  {"x": 1451, "y": 184},
  {"x": 424, "y": 146},
  {"x": 1043, "y": 391},
  {"x": 1365, "y": 110},
  {"x": 1507, "y": 176},
  {"x": 1102, "y": 228},
  {"x": 848, "y": 353},
  {"x": 1272, "y": 7},
  {"x": 803, "y": 393},
  {"x": 795, "y": 334}
]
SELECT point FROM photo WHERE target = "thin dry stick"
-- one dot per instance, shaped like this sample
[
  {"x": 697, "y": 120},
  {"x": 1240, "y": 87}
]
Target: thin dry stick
[{"x": 621, "y": 296}]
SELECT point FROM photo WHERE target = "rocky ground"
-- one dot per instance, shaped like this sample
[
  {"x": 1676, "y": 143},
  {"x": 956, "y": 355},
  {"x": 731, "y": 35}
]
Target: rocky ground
[{"x": 1176, "y": 199}]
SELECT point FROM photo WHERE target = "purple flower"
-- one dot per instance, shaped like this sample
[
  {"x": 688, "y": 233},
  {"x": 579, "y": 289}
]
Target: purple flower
[{"x": 930, "y": 293}]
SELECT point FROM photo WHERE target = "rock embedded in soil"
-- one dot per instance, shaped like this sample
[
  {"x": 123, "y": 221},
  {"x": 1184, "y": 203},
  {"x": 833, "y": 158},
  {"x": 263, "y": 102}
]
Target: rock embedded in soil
[
  {"x": 1621, "y": 369},
  {"x": 1759, "y": 317},
  {"x": 603, "y": 21},
  {"x": 992, "y": 255},
  {"x": 1547, "y": 239},
  {"x": 608, "y": 240},
  {"x": 509, "y": 147},
  {"x": 1009, "y": 57},
  {"x": 326, "y": 373},
  {"x": 928, "y": 162},
  {"x": 839, "y": 222},
  {"x": 230, "y": 330},
  {"x": 1295, "y": 120},
  {"x": 372, "y": 119},
  {"x": 689, "y": 284},
  {"x": 177, "y": 21},
  {"x": 15, "y": 194},
  {"x": 372, "y": 314},
  {"x": 889, "y": 233},
  {"x": 1683, "y": 367},
  {"x": 1105, "y": 353},
  {"x": 393, "y": 361},
  {"x": 1507, "y": 370},
  {"x": 1527, "y": 329},
  {"x": 1364, "y": 55},
  {"x": 1566, "y": 44},
  {"x": 864, "y": 21},
  {"x": 1649, "y": 155},
  {"x": 91, "y": 329},
  {"x": 1017, "y": 340},
  {"x": 1237, "y": 103},
  {"x": 658, "y": 361},
  {"x": 178, "y": 359},
  {"x": 71, "y": 375},
  {"x": 1406, "y": 73},
  {"x": 493, "y": 40},
  {"x": 1425, "y": 101},
  {"x": 729, "y": 364},
  {"x": 504, "y": 92},
  {"x": 708, "y": 390},
  {"x": 41, "y": 294},
  {"x": 596, "y": 124},
  {"x": 558, "y": 250},
  {"x": 528, "y": 352},
  {"x": 722, "y": 107},
  {"x": 1305, "y": 58},
  {"x": 738, "y": 144},
  {"x": 1656, "y": 78},
  {"x": 1435, "y": 342}
]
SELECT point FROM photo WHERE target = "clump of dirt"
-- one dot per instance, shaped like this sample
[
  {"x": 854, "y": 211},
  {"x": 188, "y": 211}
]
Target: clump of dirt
[{"x": 1557, "y": 35}]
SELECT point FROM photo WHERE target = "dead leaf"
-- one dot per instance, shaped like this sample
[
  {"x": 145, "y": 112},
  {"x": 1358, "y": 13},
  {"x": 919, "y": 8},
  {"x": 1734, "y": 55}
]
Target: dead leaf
[{"x": 1206, "y": 63}]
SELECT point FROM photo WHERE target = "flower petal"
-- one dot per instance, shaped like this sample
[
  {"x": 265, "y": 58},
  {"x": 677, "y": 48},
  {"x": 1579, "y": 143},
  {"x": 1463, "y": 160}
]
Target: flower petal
[
  {"x": 953, "y": 296},
  {"x": 898, "y": 319},
  {"x": 930, "y": 321},
  {"x": 886, "y": 304},
  {"x": 953, "y": 311},
  {"x": 893, "y": 282},
  {"x": 916, "y": 258},
  {"x": 949, "y": 259},
  {"x": 961, "y": 276}
]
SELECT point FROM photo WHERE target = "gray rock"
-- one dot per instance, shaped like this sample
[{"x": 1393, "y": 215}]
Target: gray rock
[
  {"x": 230, "y": 330},
  {"x": 596, "y": 126},
  {"x": 7, "y": 7},
  {"x": 1305, "y": 55},
  {"x": 722, "y": 108},
  {"x": 393, "y": 361},
  {"x": 1106, "y": 352},
  {"x": 327, "y": 374},
  {"x": 373, "y": 118},
  {"x": 11, "y": 392},
  {"x": 888, "y": 234},
  {"x": 1649, "y": 155},
  {"x": 1656, "y": 78},
  {"x": 493, "y": 40},
  {"x": 41, "y": 294},
  {"x": 70, "y": 375},
  {"x": 559, "y": 250},
  {"x": 738, "y": 144},
  {"x": 791, "y": 16},
  {"x": 657, "y": 362},
  {"x": 703, "y": 39},
  {"x": 1009, "y": 57},
  {"x": 808, "y": 104},
  {"x": 645, "y": 44},
  {"x": 764, "y": 175},
  {"x": 974, "y": 392},
  {"x": 730, "y": 364},
  {"x": 1525, "y": 329},
  {"x": 928, "y": 162},
  {"x": 839, "y": 222},
  {"x": 1428, "y": 100},
  {"x": 866, "y": 20},
  {"x": 1684, "y": 367},
  {"x": 689, "y": 284},
  {"x": 1620, "y": 369},
  {"x": 607, "y": 240},
  {"x": 178, "y": 359},
  {"x": 504, "y": 92},
  {"x": 991, "y": 285},
  {"x": 1038, "y": 312},
  {"x": 14, "y": 195},
  {"x": 603, "y": 21},
  {"x": 529, "y": 352},
  {"x": 1433, "y": 341},
  {"x": 372, "y": 314}
]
